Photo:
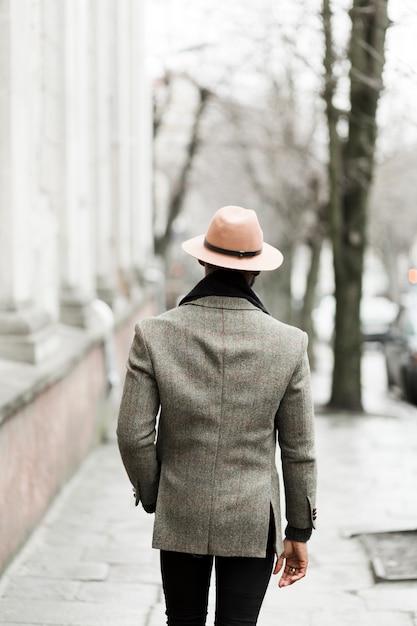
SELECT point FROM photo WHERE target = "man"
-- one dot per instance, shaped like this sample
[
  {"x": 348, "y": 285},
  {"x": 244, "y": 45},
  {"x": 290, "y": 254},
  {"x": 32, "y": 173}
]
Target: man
[{"x": 227, "y": 381}]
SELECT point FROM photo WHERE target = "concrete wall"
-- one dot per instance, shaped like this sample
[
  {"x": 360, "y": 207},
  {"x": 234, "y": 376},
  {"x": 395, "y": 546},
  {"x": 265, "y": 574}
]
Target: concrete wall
[
  {"x": 54, "y": 416},
  {"x": 75, "y": 237}
]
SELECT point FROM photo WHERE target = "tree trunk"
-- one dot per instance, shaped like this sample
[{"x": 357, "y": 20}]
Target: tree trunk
[
  {"x": 274, "y": 289},
  {"x": 306, "y": 314},
  {"x": 315, "y": 242},
  {"x": 177, "y": 197},
  {"x": 350, "y": 176}
]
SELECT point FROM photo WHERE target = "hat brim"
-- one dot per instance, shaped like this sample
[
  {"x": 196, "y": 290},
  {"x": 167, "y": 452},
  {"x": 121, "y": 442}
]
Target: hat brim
[{"x": 269, "y": 259}]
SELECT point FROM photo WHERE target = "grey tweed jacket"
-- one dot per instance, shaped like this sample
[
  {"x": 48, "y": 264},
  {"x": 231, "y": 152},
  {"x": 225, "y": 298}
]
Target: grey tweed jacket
[{"x": 211, "y": 386}]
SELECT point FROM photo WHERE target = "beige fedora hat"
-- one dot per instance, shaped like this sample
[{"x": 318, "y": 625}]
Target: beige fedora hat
[{"x": 234, "y": 240}]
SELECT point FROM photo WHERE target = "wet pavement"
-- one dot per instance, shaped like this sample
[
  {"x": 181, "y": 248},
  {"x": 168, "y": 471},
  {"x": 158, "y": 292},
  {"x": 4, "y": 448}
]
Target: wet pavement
[{"x": 90, "y": 562}]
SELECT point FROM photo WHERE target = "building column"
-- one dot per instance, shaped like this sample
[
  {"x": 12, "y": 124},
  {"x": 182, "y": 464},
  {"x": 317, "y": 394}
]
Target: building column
[
  {"x": 106, "y": 278},
  {"x": 77, "y": 245},
  {"x": 26, "y": 330},
  {"x": 142, "y": 140},
  {"x": 123, "y": 148}
]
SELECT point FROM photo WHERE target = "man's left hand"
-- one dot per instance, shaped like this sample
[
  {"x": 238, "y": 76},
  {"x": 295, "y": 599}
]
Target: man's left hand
[{"x": 294, "y": 559}]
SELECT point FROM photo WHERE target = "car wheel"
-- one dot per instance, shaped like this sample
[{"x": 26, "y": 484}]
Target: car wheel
[
  {"x": 410, "y": 387},
  {"x": 390, "y": 379}
]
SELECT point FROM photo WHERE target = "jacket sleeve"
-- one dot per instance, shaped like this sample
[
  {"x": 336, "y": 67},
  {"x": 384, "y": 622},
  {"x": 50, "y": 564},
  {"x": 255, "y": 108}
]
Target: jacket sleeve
[
  {"x": 295, "y": 427},
  {"x": 136, "y": 428}
]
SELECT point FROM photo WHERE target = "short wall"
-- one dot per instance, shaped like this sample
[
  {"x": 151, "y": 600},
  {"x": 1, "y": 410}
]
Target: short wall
[{"x": 59, "y": 414}]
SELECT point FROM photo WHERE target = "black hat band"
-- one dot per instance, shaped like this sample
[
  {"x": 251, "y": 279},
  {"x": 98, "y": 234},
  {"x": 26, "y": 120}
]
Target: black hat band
[{"x": 238, "y": 253}]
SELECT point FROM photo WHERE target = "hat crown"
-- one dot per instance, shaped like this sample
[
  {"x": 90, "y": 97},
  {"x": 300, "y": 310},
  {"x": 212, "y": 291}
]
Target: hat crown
[
  {"x": 234, "y": 240},
  {"x": 234, "y": 228}
]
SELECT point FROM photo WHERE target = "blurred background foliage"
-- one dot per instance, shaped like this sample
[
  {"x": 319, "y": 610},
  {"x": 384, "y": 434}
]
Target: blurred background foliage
[{"x": 246, "y": 98}]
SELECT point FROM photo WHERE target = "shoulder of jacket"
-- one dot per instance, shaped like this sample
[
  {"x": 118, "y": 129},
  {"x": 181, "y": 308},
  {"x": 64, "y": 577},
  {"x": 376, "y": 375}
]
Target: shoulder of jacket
[
  {"x": 291, "y": 334},
  {"x": 156, "y": 320},
  {"x": 287, "y": 329}
]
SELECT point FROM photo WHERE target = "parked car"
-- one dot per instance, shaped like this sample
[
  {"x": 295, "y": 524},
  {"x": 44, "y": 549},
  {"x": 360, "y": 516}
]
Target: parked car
[
  {"x": 400, "y": 348},
  {"x": 376, "y": 315}
]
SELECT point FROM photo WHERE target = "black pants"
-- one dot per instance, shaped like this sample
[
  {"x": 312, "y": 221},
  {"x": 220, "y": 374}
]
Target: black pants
[{"x": 241, "y": 584}]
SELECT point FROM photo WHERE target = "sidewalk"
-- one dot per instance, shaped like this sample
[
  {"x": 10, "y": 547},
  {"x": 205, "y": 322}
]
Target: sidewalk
[{"x": 90, "y": 562}]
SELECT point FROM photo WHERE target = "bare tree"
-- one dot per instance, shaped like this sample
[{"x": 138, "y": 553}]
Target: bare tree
[
  {"x": 178, "y": 186},
  {"x": 270, "y": 148},
  {"x": 351, "y": 164},
  {"x": 279, "y": 163}
]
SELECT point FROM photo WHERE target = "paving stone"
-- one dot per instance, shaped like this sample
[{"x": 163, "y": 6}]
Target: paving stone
[
  {"x": 26, "y": 587},
  {"x": 342, "y": 617},
  {"x": 140, "y": 572},
  {"x": 311, "y": 598},
  {"x": 393, "y": 554},
  {"x": 157, "y": 615},
  {"x": 67, "y": 534},
  {"x": 53, "y": 556},
  {"x": 115, "y": 554},
  {"x": 114, "y": 593},
  {"x": 340, "y": 577},
  {"x": 64, "y": 613},
  {"x": 396, "y": 596},
  {"x": 81, "y": 570},
  {"x": 287, "y": 617}
]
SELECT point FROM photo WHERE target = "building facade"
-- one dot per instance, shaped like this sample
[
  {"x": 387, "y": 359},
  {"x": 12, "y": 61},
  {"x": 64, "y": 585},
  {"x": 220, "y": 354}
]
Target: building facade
[{"x": 75, "y": 236}]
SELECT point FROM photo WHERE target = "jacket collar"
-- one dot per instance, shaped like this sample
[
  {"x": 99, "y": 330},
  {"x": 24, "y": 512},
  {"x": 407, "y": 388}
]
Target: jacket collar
[{"x": 226, "y": 283}]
